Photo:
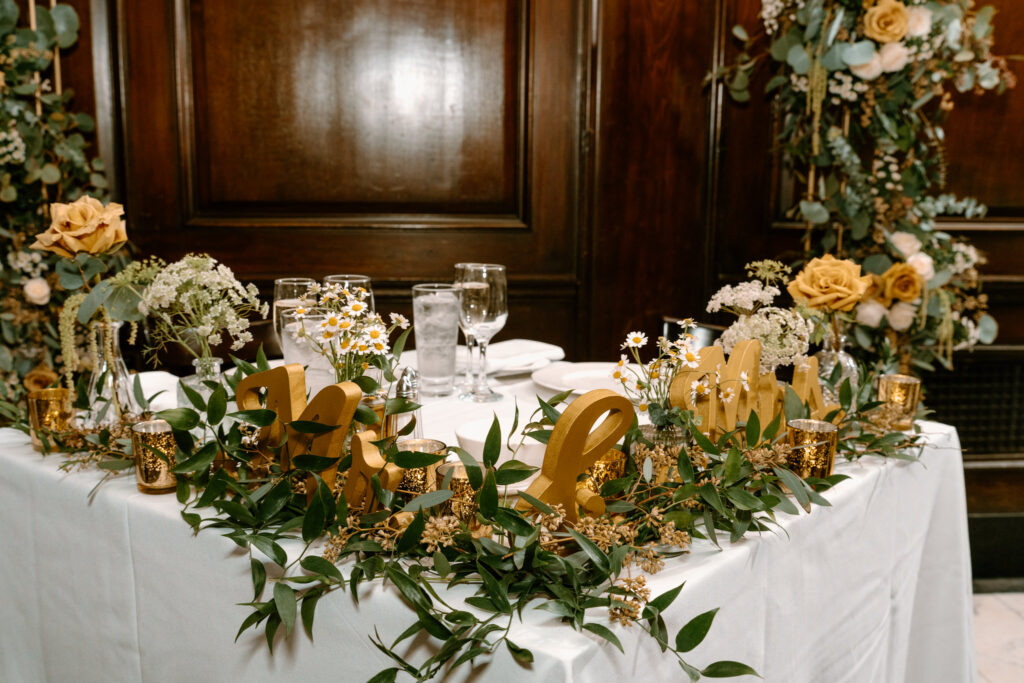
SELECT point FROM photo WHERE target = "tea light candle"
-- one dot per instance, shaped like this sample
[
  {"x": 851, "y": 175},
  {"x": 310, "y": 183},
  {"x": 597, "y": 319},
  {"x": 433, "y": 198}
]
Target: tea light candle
[
  {"x": 420, "y": 480},
  {"x": 900, "y": 394},
  {"x": 814, "y": 447},
  {"x": 49, "y": 413},
  {"x": 152, "y": 473}
]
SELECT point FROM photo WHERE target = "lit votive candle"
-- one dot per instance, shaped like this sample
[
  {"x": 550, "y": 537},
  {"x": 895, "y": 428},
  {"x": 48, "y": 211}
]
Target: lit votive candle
[
  {"x": 151, "y": 440},
  {"x": 900, "y": 395},
  {"x": 814, "y": 447},
  {"x": 49, "y": 414},
  {"x": 419, "y": 480}
]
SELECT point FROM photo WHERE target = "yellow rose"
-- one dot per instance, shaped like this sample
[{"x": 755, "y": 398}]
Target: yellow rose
[
  {"x": 829, "y": 283},
  {"x": 39, "y": 378},
  {"x": 901, "y": 282},
  {"x": 887, "y": 21},
  {"x": 85, "y": 225}
]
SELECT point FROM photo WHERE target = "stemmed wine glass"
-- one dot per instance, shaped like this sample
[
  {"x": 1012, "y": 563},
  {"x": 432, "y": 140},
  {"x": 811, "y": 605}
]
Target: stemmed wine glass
[
  {"x": 471, "y": 347},
  {"x": 287, "y": 291},
  {"x": 482, "y": 313},
  {"x": 351, "y": 282}
]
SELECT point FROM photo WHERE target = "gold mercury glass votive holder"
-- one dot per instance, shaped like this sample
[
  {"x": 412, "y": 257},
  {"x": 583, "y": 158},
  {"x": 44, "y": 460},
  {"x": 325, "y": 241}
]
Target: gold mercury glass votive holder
[
  {"x": 900, "y": 395},
  {"x": 151, "y": 439},
  {"x": 49, "y": 412},
  {"x": 814, "y": 447},
  {"x": 611, "y": 465},
  {"x": 462, "y": 504},
  {"x": 419, "y": 480}
]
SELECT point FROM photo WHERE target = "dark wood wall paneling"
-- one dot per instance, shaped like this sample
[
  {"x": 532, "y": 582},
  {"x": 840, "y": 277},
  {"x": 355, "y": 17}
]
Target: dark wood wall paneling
[{"x": 389, "y": 138}]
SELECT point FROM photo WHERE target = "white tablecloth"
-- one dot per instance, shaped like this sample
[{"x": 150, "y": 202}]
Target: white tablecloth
[{"x": 876, "y": 588}]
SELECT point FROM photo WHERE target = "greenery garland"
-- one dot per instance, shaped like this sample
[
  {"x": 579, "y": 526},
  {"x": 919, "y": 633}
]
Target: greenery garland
[
  {"x": 44, "y": 158},
  {"x": 727, "y": 488}
]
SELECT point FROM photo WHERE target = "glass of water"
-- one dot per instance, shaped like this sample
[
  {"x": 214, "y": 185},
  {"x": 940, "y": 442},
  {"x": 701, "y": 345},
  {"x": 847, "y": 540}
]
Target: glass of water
[
  {"x": 435, "y": 317},
  {"x": 352, "y": 282},
  {"x": 299, "y": 344},
  {"x": 483, "y": 312},
  {"x": 287, "y": 291}
]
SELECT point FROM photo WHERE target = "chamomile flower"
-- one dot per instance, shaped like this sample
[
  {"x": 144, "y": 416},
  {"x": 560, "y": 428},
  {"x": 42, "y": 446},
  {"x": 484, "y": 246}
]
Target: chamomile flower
[
  {"x": 355, "y": 308},
  {"x": 635, "y": 340},
  {"x": 727, "y": 394},
  {"x": 400, "y": 320}
]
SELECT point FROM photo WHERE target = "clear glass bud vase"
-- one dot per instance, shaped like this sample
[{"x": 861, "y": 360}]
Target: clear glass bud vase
[
  {"x": 833, "y": 352},
  {"x": 207, "y": 371},
  {"x": 111, "y": 397}
]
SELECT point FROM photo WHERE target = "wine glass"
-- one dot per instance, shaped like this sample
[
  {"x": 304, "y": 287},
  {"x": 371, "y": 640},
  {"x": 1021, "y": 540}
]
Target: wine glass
[
  {"x": 471, "y": 346},
  {"x": 287, "y": 291},
  {"x": 351, "y": 282},
  {"x": 482, "y": 313}
]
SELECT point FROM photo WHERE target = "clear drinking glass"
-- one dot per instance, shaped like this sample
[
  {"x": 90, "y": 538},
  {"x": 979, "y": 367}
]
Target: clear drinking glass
[
  {"x": 287, "y": 291},
  {"x": 298, "y": 333},
  {"x": 483, "y": 312},
  {"x": 471, "y": 346},
  {"x": 435, "y": 319},
  {"x": 350, "y": 282}
]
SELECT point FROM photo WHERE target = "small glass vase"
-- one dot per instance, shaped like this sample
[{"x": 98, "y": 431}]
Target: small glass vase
[
  {"x": 110, "y": 393},
  {"x": 833, "y": 353},
  {"x": 207, "y": 370},
  {"x": 667, "y": 438}
]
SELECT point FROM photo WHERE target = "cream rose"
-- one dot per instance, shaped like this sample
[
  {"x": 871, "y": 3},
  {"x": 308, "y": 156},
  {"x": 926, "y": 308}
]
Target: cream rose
[
  {"x": 923, "y": 264},
  {"x": 83, "y": 226},
  {"x": 905, "y": 243},
  {"x": 871, "y": 313},
  {"x": 901, "y": 316},
  {"x": 37, "y": 291},
  {"x": 894, "y": 57},
  {"x": 870, "y": 70},
  {"x": 901, "y": 282},
  {"x": 829, "y": 283},
  {"x": 919, "y": 22},
  {"x": 886, "y": 22}
]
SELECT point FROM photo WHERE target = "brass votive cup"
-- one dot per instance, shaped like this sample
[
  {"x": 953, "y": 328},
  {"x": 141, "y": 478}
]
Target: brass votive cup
[
  {"x": 900, "y": 394},
  {"x": 49, "y": 413},
  {"x": 152, "y": 473},
  {"x": 611, "y": 465},
  {"x": 419, "y": 480},
  {"x": 814, "y": 447},
  {"x": 386, "y": 424},
  {"x": 462, "y": 504}
]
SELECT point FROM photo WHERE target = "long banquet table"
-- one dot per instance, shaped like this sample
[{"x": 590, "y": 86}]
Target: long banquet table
[{"x": 116, "y": 588}]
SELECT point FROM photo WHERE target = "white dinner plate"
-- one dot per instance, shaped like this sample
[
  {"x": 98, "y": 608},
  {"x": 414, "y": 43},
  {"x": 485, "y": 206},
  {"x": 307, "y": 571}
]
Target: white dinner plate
[{"x": 578, "y": 377}]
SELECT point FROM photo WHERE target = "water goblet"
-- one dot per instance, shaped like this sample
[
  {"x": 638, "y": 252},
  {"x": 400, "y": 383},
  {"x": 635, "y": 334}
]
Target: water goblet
[
  {"x": 471, "y": 346},
  {"x": 287, "y": 292},
  {"x": 483, "y": 312}
]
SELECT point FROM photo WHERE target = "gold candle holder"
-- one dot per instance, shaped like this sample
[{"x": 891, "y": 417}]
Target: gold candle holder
[
  {"x": 49, "y": 413},
  {"x": 900, "y": 394},
  {"x": 462, "y": 504},
  {"x": 814, "y": 447},
  {"x": 419, "y": 480},
  {"x": 386, "y": 424},
  {"x": 611, "y": 465},
  {"x": 152, "y": 473}
]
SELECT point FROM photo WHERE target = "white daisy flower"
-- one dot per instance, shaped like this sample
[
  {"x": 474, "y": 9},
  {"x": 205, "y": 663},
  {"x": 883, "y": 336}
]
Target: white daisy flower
[
  {"x": 634, "y": 340},
  {"x": 400, "y": 320}
]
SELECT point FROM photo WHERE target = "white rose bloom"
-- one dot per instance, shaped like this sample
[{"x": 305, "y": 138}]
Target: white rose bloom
[
  {"x": 869, "y": 71},
  {"x": 905, "y": 243},
  {"x": 870, "y": 313},
  {"x": 919, "y": 22},
  {"x": 894, "y": 56},
  {"x": 923, "y": 264},
  {"x": 37, "y": 291},
  {"x": 901, "y": 316}
]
